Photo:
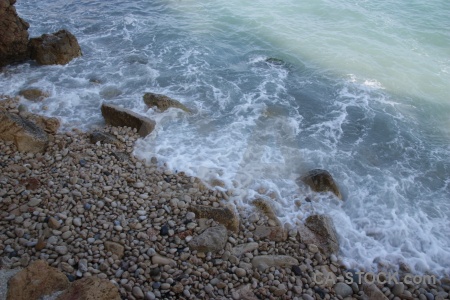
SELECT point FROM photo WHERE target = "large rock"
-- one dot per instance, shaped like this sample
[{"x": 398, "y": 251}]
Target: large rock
[
  {"x": 263, "y": 262},
  {"x": 34, "y": 94},
  {"x": 321, "y": 181},
  {"x": 117, "y": 116},
  {"x": 373, "y": 292},
  {"x": 272, "y": 233},
  {"x": 163, "y": 102},
  {"x": 36, "y": 281},
  {"x": 91, "y": 288},
  {"x": 266, "y": 208},
  {"x": 26, "y": 135},
  {"x": 319, "y": 230},
  {"x": 54, "y": 49},
  {"x": 213, "y": 239},
  {"x": 13, "y": 34},
  {"x": 222, "y": 215}
]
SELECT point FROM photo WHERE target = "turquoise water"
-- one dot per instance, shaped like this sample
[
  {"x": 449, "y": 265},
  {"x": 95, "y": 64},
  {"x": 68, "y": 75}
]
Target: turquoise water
[{"x": 359, "y": 88}]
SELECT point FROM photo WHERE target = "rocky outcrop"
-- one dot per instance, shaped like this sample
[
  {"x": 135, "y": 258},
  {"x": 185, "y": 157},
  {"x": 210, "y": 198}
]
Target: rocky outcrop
[
  {"x": 263, "y": 262},
  {"x": 222, "y": 215},
  {"x": 36, "y": 281},
  {"x": 54, "y": 49},
  {"x": 117, "y": 116},
  {"x": 91, "y": 288},
  {"x": 319, "y": 230},
  {"x": 163, "y": 102},
  {"x": 34, "y": 94},
  {"x": 321, "y": 181},
  {"x": 213, "y": 239},
  {"x": 26, "y": 135},
  {"x": 13, "y": 34}
]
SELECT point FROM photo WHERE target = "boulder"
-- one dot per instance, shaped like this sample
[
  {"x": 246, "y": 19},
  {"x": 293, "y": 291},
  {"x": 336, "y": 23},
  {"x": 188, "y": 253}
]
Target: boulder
[
  {"x": 163, "y": 102},
  {"x": 91, "y": 288},
  {"x": 13, "y": 35},
  {"x": 48, "y": 124},
  {"x": 54, "y": 49},
  {"x": 321, "y": 181},
  {"x": 319, "y": 230},
  {"x": 26, "y": 135},
  {"x": 212, "y": 239},
  {"x": 263, "y": 262},
  {"x": 222, "y": 215},
  {"x": 241, "y": 249},
  {"x": 34, "y": 94},
  {"x": 117, "y": 116},
  {"x": 36, "y": 281}
]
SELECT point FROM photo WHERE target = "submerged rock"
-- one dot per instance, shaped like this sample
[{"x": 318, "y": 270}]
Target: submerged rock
[
  {"x": 56, "y": 48},
  {"x": 117, "y": 116},
  {"x": 34, "y": 94},
  {"x": 321, "y": 181},
  {"x": 163, "y": 102},
  {"x": 13, "y": 34}
]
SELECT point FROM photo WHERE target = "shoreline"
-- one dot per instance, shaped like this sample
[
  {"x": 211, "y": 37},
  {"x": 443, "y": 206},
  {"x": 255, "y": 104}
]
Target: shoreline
[{"x": 68, "y": 205}]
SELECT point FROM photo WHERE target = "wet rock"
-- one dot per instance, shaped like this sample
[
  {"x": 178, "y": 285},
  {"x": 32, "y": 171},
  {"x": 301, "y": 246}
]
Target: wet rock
[
  {"x": 267, "y": 209},
  {"x": 36, "y": 281},
  {"x": 26, "y": 135},
  {"x": 117, "y": 116},
  {"x": 263, "y": 262},
  {"x": 213, "y": 239},
  {"x": 13, "y": 35},
  {"x": 222, "y": 215},
  {"x": 321, "y": 181},
  {"x": 56, "y": 48},
  {"x": 163, "y": 102},
  {"x": 319, "y": 230},
  {"x": 90, "y": 288},
  {"x": 34, "y": 94}
]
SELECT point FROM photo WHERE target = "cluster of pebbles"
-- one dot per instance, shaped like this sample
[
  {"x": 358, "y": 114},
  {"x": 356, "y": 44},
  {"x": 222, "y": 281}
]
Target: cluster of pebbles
[{"x": 93, "y": 209}]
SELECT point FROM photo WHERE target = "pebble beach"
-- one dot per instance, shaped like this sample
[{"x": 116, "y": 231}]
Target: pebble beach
[{"x": 89, "y": 208}]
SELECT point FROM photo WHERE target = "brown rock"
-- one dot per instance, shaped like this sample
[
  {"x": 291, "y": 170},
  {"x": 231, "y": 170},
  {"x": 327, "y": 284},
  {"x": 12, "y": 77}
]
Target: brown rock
[
  {"x": 103, "y": 137},
  {"x": 91, "y": 288},
  {"x": 117, "y": 116},
  {"x": 213, "y": 239},
  {"x": 26, "y": 135},
  {"x": 41, "y": 244},
  {"x": 319, "y": 230},
  {"x": 34, "y": 94},
  {"x": 163, "y": 102},
  {"x": 13, "y": 35},
  {"x": 373, "y": 292},
  {"x": 53, "y": 223},
  {"x": 115, "y": 248},
  {"x": 36, "y": 281},
  {"x": 30, "y": 183},
  {"x": 273, "y": 233},
  {"x": 321, "y": 181},
  {"x": 222, "y": 215},
  {"x": 56, "y": 48},
  {"x": 266, "y": 208}
]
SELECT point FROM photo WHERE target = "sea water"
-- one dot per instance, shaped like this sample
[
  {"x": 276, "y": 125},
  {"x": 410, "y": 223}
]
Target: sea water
[{"x": 359, "y": 88}]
